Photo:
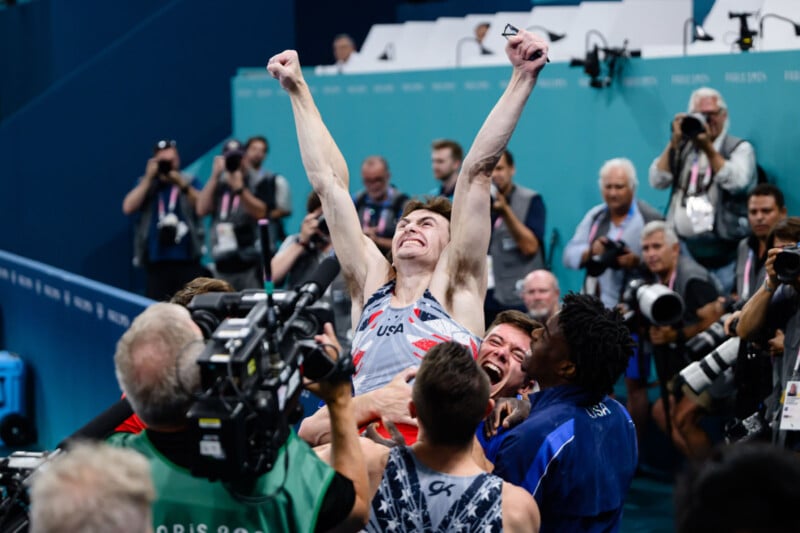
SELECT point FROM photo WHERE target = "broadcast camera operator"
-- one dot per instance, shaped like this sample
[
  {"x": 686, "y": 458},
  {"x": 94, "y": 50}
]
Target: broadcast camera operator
[
  {"x": 156, "y": 367},
  {"x": 772, "y": 318},
  {"x": 702, "y": 307},
  {"x": 709, "y": 173}
]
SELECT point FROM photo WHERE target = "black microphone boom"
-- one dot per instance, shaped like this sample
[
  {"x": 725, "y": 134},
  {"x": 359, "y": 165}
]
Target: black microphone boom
[
  {"x": 102, "y": 425},
  {"x": 310, "y": 291}
]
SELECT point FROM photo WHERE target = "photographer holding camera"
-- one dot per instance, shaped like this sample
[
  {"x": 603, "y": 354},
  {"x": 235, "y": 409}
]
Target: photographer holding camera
[
  {"x": 516, "y": 246},
  {"x": 235, "y": 199},
  {"x": 156, "y": 365},
  {"x": 168, "y": 238},
  {"x": 607, "y": 241},
  {"x": 702, "y": 307},
  {"x": 301, "y": 253},
  {"x": 607, "y": 244},
  {"x": 709, "y": 173},
  {"x": 771, "y": 318}
]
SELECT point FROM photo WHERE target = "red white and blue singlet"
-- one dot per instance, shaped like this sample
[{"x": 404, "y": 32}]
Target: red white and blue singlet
[{"x": 390, "y": 339}]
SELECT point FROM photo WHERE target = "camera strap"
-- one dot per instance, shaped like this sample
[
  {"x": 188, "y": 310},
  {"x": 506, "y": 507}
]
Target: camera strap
[
  {"x": 226, "y": 204},
  {"x": 746, "y": 282},
  {"x": 693, "y": 188},
  {"x": 173, "y": 200}
]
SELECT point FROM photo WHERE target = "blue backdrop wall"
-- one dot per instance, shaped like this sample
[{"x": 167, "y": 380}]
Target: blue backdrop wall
[
  {"x": 70, "y": 155},
  {"x": 565, "y": 134}
]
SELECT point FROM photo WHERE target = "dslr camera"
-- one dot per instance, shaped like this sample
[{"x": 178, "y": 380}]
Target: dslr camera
[
  {"x": 164, "y": 166},
  {"x": 233, "y": 152},
  {"x": 693, "y": 125},
  {"x": 787, "y": 264},
  {"x": 656, "y": 303},
  {"x": 597, "y": 264}
]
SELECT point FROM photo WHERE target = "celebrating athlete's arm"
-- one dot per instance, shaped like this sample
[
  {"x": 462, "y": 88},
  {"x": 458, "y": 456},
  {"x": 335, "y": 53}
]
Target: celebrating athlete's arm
[
  {"x": 460, "y": 277},
  {"x": 362, "y": 263}
]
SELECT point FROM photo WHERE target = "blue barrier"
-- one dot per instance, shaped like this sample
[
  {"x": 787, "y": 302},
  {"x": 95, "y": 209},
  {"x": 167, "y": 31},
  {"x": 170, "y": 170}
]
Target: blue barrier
[{"x": 65, "y": 328}]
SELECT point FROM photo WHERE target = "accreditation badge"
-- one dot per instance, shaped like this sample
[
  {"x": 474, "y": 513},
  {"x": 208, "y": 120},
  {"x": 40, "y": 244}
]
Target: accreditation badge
[
  {"x": 701, "y": 213},
  {"x": 226, "y": 239},
  {"x": 790, "y": 412}
]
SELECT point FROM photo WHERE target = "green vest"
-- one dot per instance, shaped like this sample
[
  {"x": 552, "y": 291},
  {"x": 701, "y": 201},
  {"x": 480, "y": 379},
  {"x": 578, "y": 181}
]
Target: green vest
[{"x": 278, "y": 502}]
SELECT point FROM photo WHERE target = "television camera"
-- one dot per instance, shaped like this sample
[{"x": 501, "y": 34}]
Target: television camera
[{"x": 260, "y": 347}]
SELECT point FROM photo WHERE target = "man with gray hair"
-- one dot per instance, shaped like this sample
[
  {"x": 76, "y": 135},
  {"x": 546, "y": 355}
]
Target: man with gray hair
[
  {"x": 702, "y": 307},
  {"x": 156, "y": 367},
  {"x": 93, "y": 488},
  {"x": 607, "y": 241},
  {"x": 709, "y": 173},
  {"x": 541, "y": 293}
]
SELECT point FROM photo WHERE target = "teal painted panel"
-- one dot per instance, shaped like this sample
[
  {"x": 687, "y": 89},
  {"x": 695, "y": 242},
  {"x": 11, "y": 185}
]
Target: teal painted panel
[{"x": 566, "y": 132}]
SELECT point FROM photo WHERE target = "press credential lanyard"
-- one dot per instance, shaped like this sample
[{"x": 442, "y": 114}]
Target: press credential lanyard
[
  {"x": 226, "y": 203},
  {"x": 173, "y": 200},
  {"x": 695, "y": 171}
]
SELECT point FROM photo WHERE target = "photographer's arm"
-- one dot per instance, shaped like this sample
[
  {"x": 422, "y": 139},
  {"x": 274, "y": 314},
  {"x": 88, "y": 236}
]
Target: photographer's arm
[
  {"x": 254, "y": 206},
  {"x": 283, "y": 261},
  {"x": 660, "y": 175},
  {"x": 736, "y": 173},
  {"x": 577, "y": 249},
  {"x": 754, "y": 312},
  {"x": 346, "y": 455},
  {"x": 205, "y": 200},
  {"x": 707, "y": 315},
  {"x": 526, "y": 239},
  {"x": 134, "y": 199}
]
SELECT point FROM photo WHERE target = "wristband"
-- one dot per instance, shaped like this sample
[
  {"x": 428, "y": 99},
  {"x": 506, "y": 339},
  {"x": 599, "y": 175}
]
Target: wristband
[{"x": 767, "y": 287}]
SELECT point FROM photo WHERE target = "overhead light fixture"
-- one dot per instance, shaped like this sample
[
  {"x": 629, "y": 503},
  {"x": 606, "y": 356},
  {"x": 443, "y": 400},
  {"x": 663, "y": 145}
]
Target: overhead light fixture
[
  {"x": 484, "y": 51},
  {"x": 592, "y": 65},
  {"x": 698, "y": 33},
  {"x": 745, "y": 40},
  {"x": 551, "y": 36},
  {"x": 779, "y": 17}
]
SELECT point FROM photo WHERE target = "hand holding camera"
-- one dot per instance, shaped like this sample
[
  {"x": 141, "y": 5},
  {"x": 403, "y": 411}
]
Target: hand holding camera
[
  {"x": 329, "y": 388},
  {"x": 151, "y": 169},
  {"x": 690, "y": 127},
  {"x": 604, "y": 254},
  {"x": 218, "y": 166}
]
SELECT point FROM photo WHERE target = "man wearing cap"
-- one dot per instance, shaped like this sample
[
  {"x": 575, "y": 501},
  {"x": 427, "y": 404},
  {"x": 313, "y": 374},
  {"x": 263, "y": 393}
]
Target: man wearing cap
[
  {"x": 235, "y": 203},
  {"x": 168, "y": 238}
]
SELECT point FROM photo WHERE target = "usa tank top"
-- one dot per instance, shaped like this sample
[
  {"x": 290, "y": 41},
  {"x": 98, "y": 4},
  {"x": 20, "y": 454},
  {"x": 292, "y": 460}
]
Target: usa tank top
[
  {"x": 390, "y": 339},
  {"x": 412, "y": 497}
]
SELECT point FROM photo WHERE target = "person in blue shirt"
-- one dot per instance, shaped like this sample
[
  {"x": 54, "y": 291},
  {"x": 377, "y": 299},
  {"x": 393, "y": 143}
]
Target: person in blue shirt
[{"x": 576, "y": 452}]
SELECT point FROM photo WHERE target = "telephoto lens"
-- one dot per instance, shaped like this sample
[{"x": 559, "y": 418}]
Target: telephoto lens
[
  {"x": 701, "y": 374},
  {"x": 693, "y": 125},
  {"x": 787, "y": 264}
]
